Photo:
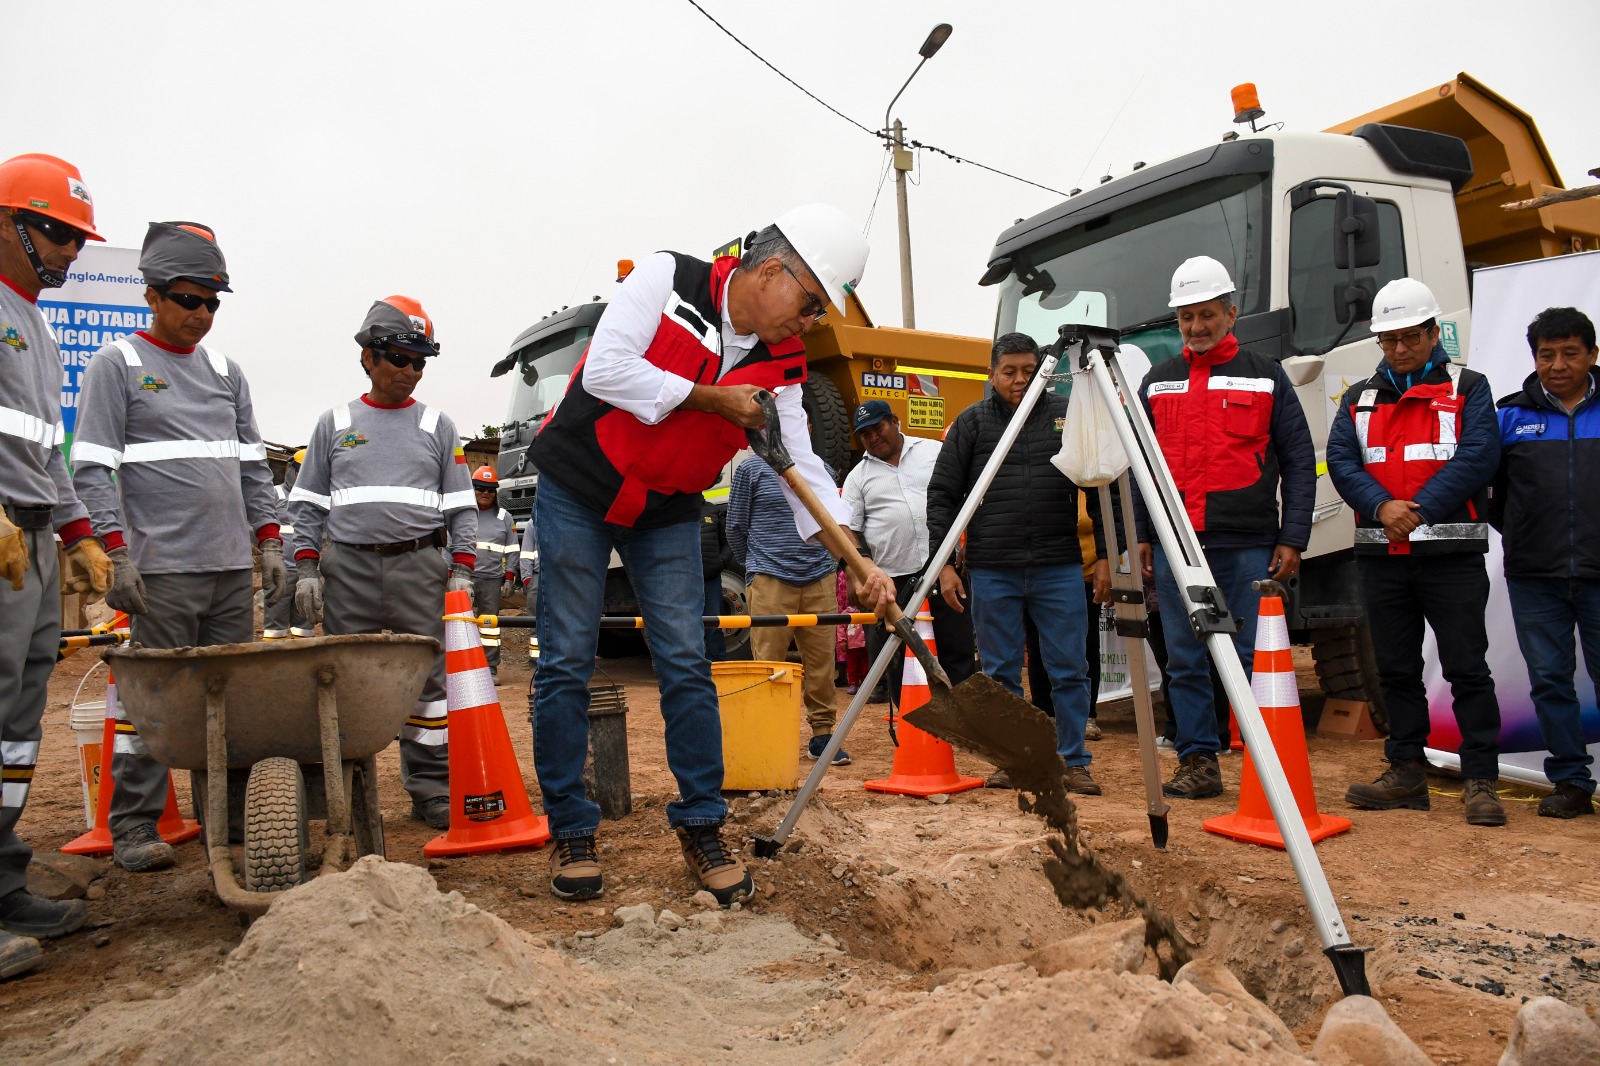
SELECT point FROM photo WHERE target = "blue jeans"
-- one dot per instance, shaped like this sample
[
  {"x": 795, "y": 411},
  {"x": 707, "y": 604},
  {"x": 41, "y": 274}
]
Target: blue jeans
[
  {"x": 1194, "y": 705},
  {"x": 1545, "y": 611},
  {"x": 716, "y": 645},
  {"x": 664, "y": 566},
  {"x": 1053, "y": 597}
]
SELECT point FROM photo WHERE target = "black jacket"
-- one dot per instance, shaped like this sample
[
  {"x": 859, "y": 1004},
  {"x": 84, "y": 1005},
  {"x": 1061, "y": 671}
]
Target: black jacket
[
  {"x": 1029, "y": 516},
  {"x": 1545, "y": 499}
]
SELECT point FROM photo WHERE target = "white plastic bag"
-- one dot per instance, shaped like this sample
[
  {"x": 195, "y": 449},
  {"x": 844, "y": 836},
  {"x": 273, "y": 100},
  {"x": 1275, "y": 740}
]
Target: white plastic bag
[{"x": 1091, "y": 452}]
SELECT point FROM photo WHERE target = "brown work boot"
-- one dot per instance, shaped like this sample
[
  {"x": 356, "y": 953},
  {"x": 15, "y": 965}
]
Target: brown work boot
[
  {"x": 1483, "y": 806},
  {"x": 18, "y": 954},
  {"x": 1567, "y": 801},
  {"x": 1403, "y": 784},
  {"x": 575, "y": 869},
  {"x": 708, "y": 859},
  {"x": 1080, "y": 781},
  {"x": 1198, "y": 777},
  {"x": 141, "y": 849}
]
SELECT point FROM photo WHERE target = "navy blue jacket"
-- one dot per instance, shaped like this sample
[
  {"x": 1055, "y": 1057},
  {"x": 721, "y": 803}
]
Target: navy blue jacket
[
  {"x": 1476, "y": 459},
  {"x": 1546, "y": 498}
]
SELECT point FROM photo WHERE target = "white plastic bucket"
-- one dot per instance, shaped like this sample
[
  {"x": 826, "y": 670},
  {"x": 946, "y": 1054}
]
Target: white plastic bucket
[{"x": 88, "y": 726}]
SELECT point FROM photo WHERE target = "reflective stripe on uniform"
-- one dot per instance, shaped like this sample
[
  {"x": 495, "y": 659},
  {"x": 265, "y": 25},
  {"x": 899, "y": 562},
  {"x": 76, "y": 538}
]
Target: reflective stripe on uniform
[
  {"x": 14, "y": 423},
  {"x": 429, "y": 420},
  {"x": 341, "y": 417},
  {"x": 1240, "y": 384},
  {"x": 85, "y": 452},
  {"x": 130, "y": 355},
  {"x": 1375, "y": 455},
  {"x": 385, "y": 494},
  {"x": 157, "y": 451},
  {"x": 429, "y": 724},
  {"x": 1438, "y": 531},
  {"x": 1440, "y": 452},
  {"x": 490, "y": 546},
  {"x": 286, "y": 530},
  {"x": 455, "y": 501},
  {"x": 18, "y": 757},
  {"x": 307, "y": 496}
]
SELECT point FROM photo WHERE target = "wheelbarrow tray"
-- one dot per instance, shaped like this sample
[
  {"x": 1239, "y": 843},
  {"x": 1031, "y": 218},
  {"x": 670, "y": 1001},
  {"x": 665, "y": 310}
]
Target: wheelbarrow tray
[{"x": 271, "y": 694}]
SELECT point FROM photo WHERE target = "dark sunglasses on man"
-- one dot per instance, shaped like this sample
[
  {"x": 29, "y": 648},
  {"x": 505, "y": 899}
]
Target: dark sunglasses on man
[
  {"x": 53, "y": 230},
  {"x": 190, "y": 301},
  {"x": 816, "y": 308},
  {"x": 419, "y": 363}
]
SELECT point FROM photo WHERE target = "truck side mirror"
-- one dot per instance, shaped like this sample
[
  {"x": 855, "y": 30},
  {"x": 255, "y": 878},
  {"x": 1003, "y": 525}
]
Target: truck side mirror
[
  {"x": 1352, "y": 300},
  {"x": 1355, "y": 215}
]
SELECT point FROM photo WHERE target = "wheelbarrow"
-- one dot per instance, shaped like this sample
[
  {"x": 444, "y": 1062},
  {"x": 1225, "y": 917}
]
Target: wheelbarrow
[{"x": 266, "y": 719}]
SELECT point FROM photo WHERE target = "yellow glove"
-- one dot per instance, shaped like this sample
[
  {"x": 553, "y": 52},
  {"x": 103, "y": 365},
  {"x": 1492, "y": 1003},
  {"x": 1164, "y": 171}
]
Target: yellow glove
[
  {"x": 88, "y": 570},
  {"x": 13, "y": 553}
]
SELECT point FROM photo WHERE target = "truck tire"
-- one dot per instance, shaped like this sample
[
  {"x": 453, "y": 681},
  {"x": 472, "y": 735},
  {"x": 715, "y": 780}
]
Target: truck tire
[
  {"x": 1348, "y": 670},
  {"x": 830, "y": 421},
  {"x": 275, "y": 837},
  {"x": 736, "y": 641}
]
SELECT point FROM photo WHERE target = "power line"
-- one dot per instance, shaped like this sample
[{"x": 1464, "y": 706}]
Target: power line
[{"x": 882, "y": 135}]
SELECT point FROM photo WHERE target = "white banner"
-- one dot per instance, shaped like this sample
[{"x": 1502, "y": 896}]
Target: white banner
[
  {"x": 1504, "y": 300},
  {"x": 1116, "y": 681},
  {"x": 102, "y": 301}
]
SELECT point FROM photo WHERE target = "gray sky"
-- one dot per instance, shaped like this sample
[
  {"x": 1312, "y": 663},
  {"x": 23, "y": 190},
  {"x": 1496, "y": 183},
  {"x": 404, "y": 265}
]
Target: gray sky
[{"x": 495, "y": 159}]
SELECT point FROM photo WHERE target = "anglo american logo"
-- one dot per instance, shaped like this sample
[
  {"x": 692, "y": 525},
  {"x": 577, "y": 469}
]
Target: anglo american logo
[
  {"x": 1396, "y": 307},
  {"x": 1191, "y": 281}
]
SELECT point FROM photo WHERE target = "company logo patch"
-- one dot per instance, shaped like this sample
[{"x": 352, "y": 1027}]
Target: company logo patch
[
  {"x": 78, "y": 192},
  {"x": 1396, "y": 307},
  {"x": 1061, "y": 423},
  {"x": 42, "y": 205},
  {"x": 1191, "y": 281},
  {"x": 419, "y": 322},
  {"x": 1531, "y": 427},
  {"x": 352, "y": 440},
  {"x": 1169, "y": 386},
  {"x": 151, "y": 383},
  {"x": 12, "y": 337}
]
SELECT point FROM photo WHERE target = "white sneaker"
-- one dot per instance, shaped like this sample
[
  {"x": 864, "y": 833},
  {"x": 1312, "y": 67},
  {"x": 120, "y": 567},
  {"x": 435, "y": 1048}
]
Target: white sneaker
[{"x": 1163, "y": 744}]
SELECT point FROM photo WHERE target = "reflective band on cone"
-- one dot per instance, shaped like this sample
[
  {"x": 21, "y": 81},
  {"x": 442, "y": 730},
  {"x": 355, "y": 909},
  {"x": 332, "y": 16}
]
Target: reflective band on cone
[{"x": 924, "y": 765}]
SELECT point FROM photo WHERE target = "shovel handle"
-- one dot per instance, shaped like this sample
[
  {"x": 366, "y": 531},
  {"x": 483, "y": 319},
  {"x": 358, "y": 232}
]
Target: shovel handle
[{"x": 834, "y": 537}]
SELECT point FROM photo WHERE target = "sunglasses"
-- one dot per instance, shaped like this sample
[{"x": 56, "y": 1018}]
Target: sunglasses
[
  {"x": 1410, "y": 339},
  {"x": 192, "y": 302},
  {"x": 419, "y": 363},
  {"x": 53, "y": 230},
  {"x": 816, "y": 308}
]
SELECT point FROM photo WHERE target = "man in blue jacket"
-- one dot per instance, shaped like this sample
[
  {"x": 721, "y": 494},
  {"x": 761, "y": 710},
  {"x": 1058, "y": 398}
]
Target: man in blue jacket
[
  {"x": 1546, "y": 504},
  {"x": 1412, "y": 451}
]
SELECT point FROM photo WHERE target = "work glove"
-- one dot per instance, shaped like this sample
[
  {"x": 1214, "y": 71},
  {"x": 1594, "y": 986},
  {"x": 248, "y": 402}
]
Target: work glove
[
  {"x": 274, "y": 575},
  {"x": 460, "y": 580},
  {"x": 127, "y": 587},
  {"x": 308, "y": 590},
  {"x": 88, "y": 570},
  {"x": 509, "y": 586},
  {"x": 13, "y": 553}
]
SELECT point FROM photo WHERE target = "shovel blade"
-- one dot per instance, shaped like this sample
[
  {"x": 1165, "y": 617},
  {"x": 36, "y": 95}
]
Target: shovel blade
[{"x": 982, "y": 717}]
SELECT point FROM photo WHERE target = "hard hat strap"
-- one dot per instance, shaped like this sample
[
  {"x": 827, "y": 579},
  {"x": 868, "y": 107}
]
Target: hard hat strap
[{"x": 48, "y": 278}]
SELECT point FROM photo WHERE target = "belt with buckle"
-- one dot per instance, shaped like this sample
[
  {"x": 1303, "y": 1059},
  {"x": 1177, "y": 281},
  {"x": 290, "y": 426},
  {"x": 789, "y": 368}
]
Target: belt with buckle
[
  {"x": 398, "y": 547},
  {"x": 30, "y": 516}
]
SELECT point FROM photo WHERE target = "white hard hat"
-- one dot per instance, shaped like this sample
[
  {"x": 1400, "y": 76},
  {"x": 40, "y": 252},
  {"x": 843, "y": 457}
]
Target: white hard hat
[
  {"x": 833, "y": 248},
  {"x": 1401, "y": 303},
  {"x": 1198, "y": 280}
]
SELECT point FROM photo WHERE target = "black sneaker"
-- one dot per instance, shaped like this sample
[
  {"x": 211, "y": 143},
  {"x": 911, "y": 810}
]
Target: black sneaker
[
  {"x": 1567, "y": 801},
  {"x": 434, "y": 811},
  {"x": 815, "y": 747},
  {"x": 23, "y": 913},
  {"x": 1403, "y": 785},
  {"x": 141, "y": 849},
  {"x": 1198, "y": 778},
  {"x": 575, "y": 869},
  {"x": 879, "y": 694},
  {"x": 708, "y": 859}
]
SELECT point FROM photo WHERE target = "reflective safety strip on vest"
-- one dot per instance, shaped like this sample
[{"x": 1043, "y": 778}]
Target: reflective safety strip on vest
[
  {"x": 1221, "y": 381},
  {"x": 429, "y": 724},
  {"x": 16, "y": 774},
  {"x": 1436, "y": 452},
  {"x": 130, "y": 355},
  {"x": 684, "y": 314},
  {"x": 455, "y": 501},
  {"x": 341, "y": 417},
  {"x": 429, "y": 421},
  {"x": 157, "y": 451},
  {"x": 127, "y": 740},
  {"x": 15, "y": 423},
  {"x": 380, "y": 494},
  {"x": 490, "y": 546},
  {"x": 1437, "y": 531},
  {"x": 303, "y": 496}
]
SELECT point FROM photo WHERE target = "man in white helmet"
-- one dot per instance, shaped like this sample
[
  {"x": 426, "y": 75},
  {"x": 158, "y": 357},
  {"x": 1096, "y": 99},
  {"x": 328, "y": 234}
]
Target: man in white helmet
[
  {"x": 1412, "y": 450},
  {"x": 1235, "y": 438},
  {"x": 658, "y": 406},
  {"x": 170, "y": 463}
]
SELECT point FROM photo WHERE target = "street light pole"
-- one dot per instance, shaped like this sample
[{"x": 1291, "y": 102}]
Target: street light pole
[{"x": 903, "y": 163}]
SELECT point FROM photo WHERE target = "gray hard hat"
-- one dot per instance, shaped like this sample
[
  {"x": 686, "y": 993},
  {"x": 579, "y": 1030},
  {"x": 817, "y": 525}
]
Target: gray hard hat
[
  {"x": 183, "y": 251},
  {"x": 398, "y": 322}
]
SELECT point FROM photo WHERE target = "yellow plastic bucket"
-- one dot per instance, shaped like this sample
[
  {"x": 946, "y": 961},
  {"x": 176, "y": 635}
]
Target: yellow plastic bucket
[{"x": 760, "y": 705}]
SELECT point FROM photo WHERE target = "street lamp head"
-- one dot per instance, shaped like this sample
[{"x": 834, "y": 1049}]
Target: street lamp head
[{"x": 936, "y": 38}]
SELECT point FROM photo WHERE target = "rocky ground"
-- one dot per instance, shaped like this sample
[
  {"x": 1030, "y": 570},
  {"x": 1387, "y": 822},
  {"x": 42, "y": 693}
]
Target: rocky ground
[{"x": 893, "y": 930}]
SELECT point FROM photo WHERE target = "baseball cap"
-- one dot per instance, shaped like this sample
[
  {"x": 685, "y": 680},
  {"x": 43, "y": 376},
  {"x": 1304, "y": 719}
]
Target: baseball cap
[
  {"x": 183, "y": 251},
  {"x": 398, "y": 322},
  {"x": 871, "y": 413}
]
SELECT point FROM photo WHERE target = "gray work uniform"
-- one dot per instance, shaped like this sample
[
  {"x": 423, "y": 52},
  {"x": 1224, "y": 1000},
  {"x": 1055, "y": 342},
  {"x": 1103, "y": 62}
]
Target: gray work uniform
[
  {"x": 37, "y": 493},
  {"x": 282, "y": 620},
  {"x": 389, "y": 479},
  {"x": 167, "y": 458},
  {"x": 497, "y": 557}
]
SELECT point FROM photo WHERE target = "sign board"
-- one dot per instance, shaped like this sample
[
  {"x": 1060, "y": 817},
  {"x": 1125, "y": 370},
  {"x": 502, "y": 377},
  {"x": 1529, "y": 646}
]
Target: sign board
[
  {"x": 876, "y": 386},
  {"x": 925, "y": 412},
  {"x": 102, "y": 301}
]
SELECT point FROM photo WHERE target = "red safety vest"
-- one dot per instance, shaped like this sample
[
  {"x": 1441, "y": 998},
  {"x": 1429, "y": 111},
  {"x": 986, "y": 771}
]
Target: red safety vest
[
  {"x": 1405, "y": 440},
  {"x": 647, "y": 476}
]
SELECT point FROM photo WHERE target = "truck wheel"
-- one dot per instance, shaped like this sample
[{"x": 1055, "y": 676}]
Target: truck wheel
[
  {"x": 735, "y": 641},
  {"x": 1348, "y": 670},
  {"x": 830, "y": 421},
  {"x": 275, "y": 837}
]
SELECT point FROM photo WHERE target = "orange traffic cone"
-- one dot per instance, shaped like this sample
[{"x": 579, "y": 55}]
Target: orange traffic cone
[
  {"x": 173, "y": 827},
  {"x": 924, "y": 765},
  {"x": 1236, "y": 738},
  {"x": 489, "y": 809},
  {"x": 1278, "y": 695}
]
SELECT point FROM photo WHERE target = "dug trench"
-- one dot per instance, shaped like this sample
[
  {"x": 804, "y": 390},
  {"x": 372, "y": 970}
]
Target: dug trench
[{"x": 886, "y": 919}]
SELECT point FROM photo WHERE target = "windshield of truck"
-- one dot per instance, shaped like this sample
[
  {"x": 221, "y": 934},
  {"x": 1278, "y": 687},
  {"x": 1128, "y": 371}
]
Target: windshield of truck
[
  {"x": 1115, "y": 270},
  {"x": 543, "y": 368}
]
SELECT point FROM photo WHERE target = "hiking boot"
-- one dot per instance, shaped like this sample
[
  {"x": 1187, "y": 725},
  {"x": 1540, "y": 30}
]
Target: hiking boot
[
  {"x": 141, "y": 849},
  {"x": 434, "y": 811},
  {"x": 814, "y": 750},
  {"x": 1403, "y": 784},
  {"x": 575, "y": 869},
  {"x": 1483, "y": 806},
  {"x": 998, "y": 779},
  {"x": 1092, "y": 731},
  {"x": 719, "y": 873},
  {"x": 1567, "y": 801},
  {"x": 26, "y": 915},
  {"x": 1198, "y": 778},
  {"x": 18, "y": 954},
  {"x": 1080, "y": 781}
]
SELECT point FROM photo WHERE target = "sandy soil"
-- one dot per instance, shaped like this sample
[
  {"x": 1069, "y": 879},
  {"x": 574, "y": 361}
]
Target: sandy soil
[{"x": 882, "y": 901}]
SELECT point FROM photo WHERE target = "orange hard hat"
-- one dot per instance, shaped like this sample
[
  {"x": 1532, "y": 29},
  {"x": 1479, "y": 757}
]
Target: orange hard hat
[
  {"x": 50, "y": 187},
  {"x": 485, "y": 475}
]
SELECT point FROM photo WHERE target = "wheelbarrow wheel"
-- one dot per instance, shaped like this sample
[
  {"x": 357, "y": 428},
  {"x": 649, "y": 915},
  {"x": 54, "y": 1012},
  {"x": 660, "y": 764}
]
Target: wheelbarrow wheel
[{"x": 275, "y": 835}]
